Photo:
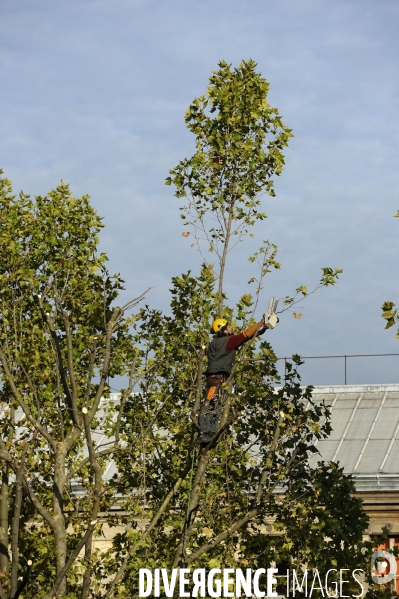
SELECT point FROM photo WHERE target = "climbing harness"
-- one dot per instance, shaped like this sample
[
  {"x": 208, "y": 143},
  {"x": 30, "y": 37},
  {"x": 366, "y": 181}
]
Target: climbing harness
[{"x": 211, "y": 411}]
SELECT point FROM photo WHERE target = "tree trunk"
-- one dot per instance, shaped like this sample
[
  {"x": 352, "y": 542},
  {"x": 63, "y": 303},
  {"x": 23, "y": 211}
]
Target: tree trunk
[
  {"x": 59, "y": 520},
  {"x": 87, "y": 574},
  {"x": 4, "y": 505},
  {"x": 223, "y": 264},
  {"x": 192, "y": 507},
  {"x": 15, "y": 530}
]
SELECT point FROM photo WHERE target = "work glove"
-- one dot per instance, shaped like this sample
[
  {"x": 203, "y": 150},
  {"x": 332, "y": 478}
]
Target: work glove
[{"x": 270, "y": 320}]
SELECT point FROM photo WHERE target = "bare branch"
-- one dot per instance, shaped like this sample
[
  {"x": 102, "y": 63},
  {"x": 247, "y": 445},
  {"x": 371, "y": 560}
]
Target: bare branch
[
  {"x": 96, "y": 504},
  {"x": 223, "y": 263},
  {"x": 134, "y": 301},
  {"x": 24, "y": 580}
]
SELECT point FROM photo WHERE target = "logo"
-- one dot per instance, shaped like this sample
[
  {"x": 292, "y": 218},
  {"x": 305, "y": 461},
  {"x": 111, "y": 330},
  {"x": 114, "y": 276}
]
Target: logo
[{"x": 380, "y": 560}]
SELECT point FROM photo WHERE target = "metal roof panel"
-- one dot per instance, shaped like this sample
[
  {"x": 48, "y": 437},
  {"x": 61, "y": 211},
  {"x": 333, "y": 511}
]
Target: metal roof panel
[
  {"x": 339, "y": 421},
  {"x": 386, "y": 423},
  {"x": 391, "y": 465},
  {"x": 327, "y": 449},
  {"x": 348, "y": 454},
  {"x": 361, "y": 423},
  {"x": 372, "y": 456}
]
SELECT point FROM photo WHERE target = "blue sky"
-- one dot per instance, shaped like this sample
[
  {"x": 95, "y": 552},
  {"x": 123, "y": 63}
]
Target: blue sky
[{"x": 94, "y": 93}]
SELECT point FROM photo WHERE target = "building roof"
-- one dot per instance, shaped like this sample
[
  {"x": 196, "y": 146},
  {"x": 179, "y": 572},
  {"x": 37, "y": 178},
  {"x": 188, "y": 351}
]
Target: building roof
[
  {"x": 364, "y": 439},
  {"x": 365, "y": 436}
]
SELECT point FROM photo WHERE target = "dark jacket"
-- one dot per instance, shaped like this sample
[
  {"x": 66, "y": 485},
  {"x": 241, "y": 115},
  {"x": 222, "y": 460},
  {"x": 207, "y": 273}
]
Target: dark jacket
[
  {"x": 222, "y": 351},
  {"x": 219, "y": 359}
]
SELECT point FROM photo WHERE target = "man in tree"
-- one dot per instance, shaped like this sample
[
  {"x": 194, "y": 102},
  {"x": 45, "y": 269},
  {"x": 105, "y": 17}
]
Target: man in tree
[{"x": 222, "y": 354}]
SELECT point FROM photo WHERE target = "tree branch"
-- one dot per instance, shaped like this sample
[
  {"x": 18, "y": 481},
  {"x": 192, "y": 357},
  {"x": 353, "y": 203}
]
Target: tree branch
[
  {"x": 5, "y": 498},
  {"x": 71, "y": 370},
  {"x": 94, "y": 511},
  {"x": 124, "y": 397},
  {"x": 223, "y": 263},
  {"x": 98, "y": 454},
  {"x": 198, "y": 391},
  {"x": 105, "y": 367},
  {"x": 96, "y": 503},
  {"x": 272, "y": 449},
  {"x": 93, "y": 355},
  {"x": 134, "y": 301},
  {"x": 15, "y": 523},
  {"x": 24, "y": 580},
  {"x": 193, "y": 502},
  {"x": 47, "y": 319},
  {"x": 24, "y": 406},
  {"x": 4, "y": 455},
  {"x": 31, "y": 386},
  {"x": 222, "y": 536},
  {"x": 70, "y": 561},
  {"x": 161, "y": 510}
]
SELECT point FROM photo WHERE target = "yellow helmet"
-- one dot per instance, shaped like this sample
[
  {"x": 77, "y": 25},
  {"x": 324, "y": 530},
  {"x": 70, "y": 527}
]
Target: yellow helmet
[{"x": 218, "y": 324}]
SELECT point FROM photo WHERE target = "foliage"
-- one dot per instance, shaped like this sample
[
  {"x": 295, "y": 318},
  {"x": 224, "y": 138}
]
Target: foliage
[
  {"x": 239, "y": 141},
  {"x": 389, "y": 310},
  {"x": 61, "y": 343},
  {"x": 257, "y": 493},
  {"x": 390, "y": 314},
  {"x": 228, "y": 493}
]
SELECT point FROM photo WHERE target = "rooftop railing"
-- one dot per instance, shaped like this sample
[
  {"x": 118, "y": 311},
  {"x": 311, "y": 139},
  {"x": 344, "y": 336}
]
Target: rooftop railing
[{"x": 344, "y": 357}]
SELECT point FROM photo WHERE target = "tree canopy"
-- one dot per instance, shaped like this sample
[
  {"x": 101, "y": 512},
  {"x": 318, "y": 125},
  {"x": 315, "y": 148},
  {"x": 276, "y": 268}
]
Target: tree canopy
[{"x": 253, "y": 495}]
